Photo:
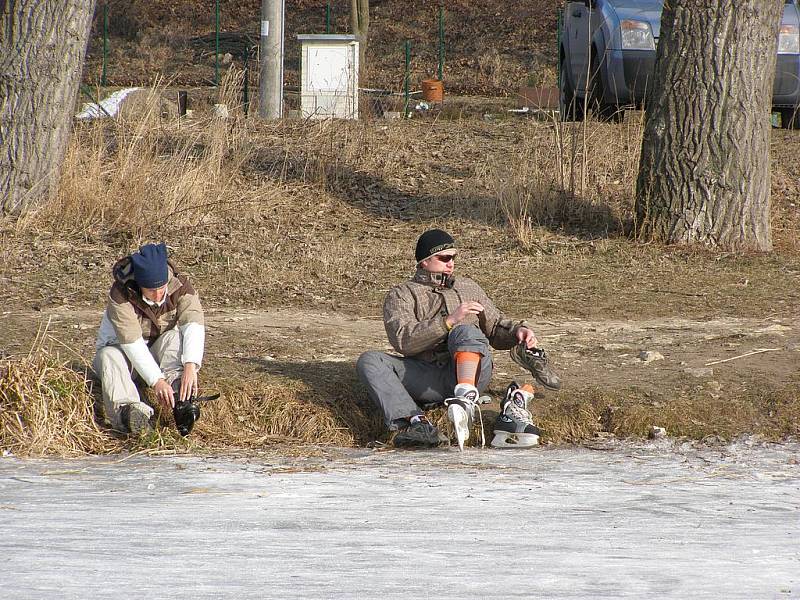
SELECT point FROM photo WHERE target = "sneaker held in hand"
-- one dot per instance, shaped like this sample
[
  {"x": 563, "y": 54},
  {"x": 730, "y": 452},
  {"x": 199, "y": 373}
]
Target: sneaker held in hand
[{"x": 535, "y": 361}]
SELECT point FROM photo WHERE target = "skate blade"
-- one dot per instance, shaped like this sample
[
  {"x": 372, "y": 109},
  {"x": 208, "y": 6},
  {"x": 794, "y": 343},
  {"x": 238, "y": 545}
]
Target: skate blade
[
  {"x": 504, "y": 439},
  {"x": 458, "y": 416}
]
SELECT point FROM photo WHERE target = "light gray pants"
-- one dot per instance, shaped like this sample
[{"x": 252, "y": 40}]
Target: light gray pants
[
  {"x": 398, "y": 386},
  {"x": 116, "y": 377}
]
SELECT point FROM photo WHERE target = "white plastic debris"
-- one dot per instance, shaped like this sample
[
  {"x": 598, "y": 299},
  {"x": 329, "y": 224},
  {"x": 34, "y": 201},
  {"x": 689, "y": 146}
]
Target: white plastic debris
[
  {"x": 648, "y": 356},
  {"x": 220, "y": 111},
  {"x": 110, "y": 105}
]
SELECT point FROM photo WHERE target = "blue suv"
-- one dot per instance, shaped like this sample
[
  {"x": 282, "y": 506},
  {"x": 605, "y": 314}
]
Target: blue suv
[{"x": 612, "y": 43}]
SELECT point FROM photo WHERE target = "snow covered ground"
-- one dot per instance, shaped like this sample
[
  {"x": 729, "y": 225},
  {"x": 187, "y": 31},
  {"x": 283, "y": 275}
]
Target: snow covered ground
[{"x": 637, "y": 521}]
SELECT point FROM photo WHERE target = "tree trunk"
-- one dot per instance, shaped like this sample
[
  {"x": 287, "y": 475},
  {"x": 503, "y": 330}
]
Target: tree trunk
[
  {"x": 42, "y": 50},
  {"x": 704, "y": 170},
  {"x": 359, "y": 23}
]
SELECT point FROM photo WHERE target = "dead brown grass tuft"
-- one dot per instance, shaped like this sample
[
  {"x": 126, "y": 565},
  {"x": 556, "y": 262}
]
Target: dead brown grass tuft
[
  {"x": 146, "y": 170},
  {"x": 46, "y": 408},
  {"x": 253, "y": 414},
  {"x": 771, "y": 414}
]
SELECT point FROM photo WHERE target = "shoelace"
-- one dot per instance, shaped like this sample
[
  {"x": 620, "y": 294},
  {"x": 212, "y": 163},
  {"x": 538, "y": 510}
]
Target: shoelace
[
  {"x": 471, "y": 406},
  {"x": 518, "y": 413}
]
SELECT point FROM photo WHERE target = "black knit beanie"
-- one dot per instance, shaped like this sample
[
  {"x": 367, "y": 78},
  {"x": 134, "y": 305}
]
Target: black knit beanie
[{"x": 432, "y": 242}]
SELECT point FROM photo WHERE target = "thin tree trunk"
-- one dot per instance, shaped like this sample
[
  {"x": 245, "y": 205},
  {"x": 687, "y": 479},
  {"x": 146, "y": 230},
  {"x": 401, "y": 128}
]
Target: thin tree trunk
[
  {"x": 42, "y": 50},
  {"x": 359, "y": 24},
  {"x": 704, "y": 169}
]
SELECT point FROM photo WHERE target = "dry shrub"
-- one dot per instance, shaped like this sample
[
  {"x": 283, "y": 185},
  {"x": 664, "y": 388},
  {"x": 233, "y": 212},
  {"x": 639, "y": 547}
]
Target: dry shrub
[
  {"x": 146, "y": 169},
  {"x": 259, "y": 413},
  {"x": 46, "y": 409},
  {"x": 770, "y": 414},
  {"x": 570, "y": 176}
]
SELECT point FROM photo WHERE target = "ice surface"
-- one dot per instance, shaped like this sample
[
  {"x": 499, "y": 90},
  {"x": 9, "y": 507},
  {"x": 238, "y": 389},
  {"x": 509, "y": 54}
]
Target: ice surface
[{"x": 630, "y": 521}]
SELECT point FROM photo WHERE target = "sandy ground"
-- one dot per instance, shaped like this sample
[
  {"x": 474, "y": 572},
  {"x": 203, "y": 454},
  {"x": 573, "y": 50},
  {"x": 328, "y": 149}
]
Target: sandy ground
[
  {"x": 715, "y": 356},
  {"x": 647, "y": 520}
]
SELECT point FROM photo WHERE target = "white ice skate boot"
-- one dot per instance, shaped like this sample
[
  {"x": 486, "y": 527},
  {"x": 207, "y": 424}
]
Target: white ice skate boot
[{"x": 461, "y": 411}]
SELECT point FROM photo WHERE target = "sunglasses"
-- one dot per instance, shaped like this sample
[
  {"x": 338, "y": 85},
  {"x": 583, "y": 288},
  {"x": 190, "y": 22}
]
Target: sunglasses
[{"x": 445, "y": 258}]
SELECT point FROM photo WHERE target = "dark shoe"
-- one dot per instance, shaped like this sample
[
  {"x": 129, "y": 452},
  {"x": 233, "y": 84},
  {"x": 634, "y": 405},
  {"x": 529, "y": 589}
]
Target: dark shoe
[
  {"x": 136, "y": 417},
  {"x": 421, "y": 434},
  {"x": 514, "y": 426},
  {"x": 535, "y": 361}
]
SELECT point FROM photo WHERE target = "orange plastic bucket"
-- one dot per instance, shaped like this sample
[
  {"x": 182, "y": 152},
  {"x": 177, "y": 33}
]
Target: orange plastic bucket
[{"x": 432, "y": 90}]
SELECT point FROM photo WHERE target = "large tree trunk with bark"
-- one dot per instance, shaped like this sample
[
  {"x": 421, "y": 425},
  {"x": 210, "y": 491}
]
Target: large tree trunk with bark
[
  {"x": 704, "y": 170},
  {"x": 359, "y": 23},
  {"x": 42, "y": 50}
]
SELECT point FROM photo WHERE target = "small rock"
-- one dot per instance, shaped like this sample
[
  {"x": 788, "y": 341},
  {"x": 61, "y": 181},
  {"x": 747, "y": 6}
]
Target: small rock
[
  {"x": 227, "y": 58},
  {"x": 656, "y": 432},
  {"x": 613, "y": 347},
  {"x": 650, "y": 355},
  {"x": 794, "y": 347},
  {"x": 700, "y": 372}
]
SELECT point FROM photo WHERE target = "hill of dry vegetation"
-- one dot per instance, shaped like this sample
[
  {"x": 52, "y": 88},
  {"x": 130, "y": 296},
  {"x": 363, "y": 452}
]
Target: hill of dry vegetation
[{"x": 294, "y": 231}]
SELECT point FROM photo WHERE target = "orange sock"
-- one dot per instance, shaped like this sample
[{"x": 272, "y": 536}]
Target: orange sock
[{"x": 467, "y": 367}]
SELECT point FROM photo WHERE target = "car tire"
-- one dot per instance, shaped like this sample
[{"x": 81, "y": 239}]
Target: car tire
[
  {"x": 605, "y": 113},
  {"x": 570, "y": 108},
  {"x": 790, "y": 118}
]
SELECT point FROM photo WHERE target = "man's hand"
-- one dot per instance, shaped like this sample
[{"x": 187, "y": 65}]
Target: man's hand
[
  {"x": 463, "y": 311},
  {"x": 527, "y": 337},
  {"x": 189, "y": 381},
  {"x": 163, "y": 393}
]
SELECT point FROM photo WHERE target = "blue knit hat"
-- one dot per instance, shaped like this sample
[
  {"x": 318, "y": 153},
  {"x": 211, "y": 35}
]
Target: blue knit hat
[{"x": 150, "y": 266}]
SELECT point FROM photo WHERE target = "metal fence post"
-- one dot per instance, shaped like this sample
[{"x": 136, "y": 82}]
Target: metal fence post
[
  {"x": 327, "y": 17},
  {"x": 441, "y": 43},
  {"x": 105, "y": 43},
  {"x": 407, "y": 79},
  {"x": 216, "y": 42}
]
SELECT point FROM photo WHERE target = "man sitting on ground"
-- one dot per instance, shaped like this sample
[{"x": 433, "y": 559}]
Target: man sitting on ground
[
  {"x": 153, "y": 326},
  {"x": 444, "y": 326}
]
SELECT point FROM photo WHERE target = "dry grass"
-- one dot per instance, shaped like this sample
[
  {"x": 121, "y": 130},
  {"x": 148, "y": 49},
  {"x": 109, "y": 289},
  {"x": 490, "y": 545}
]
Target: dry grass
[
  {"x": 279, "y": 213},
  {"x": 46, "y": 409},
  {"x": 772, "y": 414},
  {"x": 572, "y": 177},
  {"x": 148, "y": 170}
]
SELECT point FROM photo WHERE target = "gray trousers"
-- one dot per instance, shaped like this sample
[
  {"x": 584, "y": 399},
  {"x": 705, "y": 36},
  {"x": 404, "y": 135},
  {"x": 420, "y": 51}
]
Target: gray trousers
[
  {"x": 398, "y": 385},
  {"x": 116, "y": 374}
]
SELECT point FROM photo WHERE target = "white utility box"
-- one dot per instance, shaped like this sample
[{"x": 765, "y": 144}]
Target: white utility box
[{"x": 329, "y": 76}]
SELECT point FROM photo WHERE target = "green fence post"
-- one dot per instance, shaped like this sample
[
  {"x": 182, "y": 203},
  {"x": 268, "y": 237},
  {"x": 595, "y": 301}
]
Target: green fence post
[
  {"x": 328, "y": 17},
  {"x": 105, "y": 43},
  {"x": 216, "y": 43},
  {"x": 559, "y": 25},
  {"x": 441, "y": 43},
  {"x": 407, "y": 79},
  {"x": 246, "y": 86}
]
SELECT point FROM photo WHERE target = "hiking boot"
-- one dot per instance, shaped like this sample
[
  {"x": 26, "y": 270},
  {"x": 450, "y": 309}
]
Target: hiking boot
[
  {"x": 514, "y": 426},
  {"x": 535, "y": 361},
  {"x": 461, "y": 411},
  {"x": 136, "y": 417},
  {"x": 420, "y": 434}
]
